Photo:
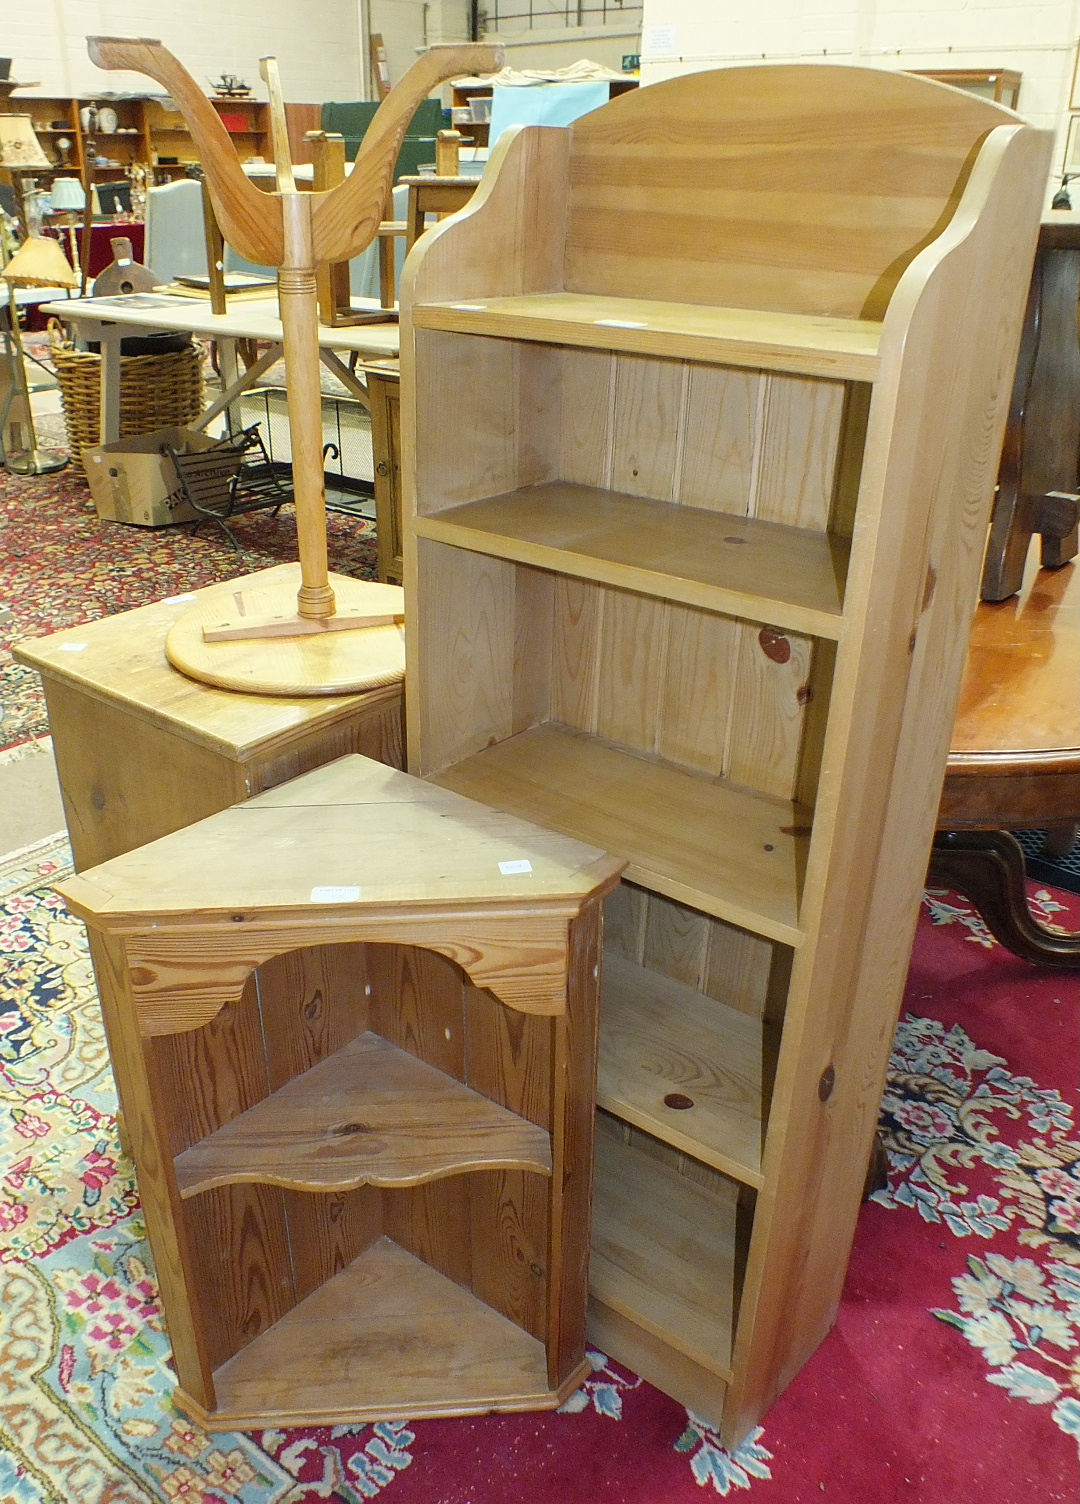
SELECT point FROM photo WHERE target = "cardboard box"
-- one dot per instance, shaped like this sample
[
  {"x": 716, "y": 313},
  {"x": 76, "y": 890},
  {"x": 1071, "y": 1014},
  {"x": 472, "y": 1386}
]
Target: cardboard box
[{"x": 132, "y": 481}]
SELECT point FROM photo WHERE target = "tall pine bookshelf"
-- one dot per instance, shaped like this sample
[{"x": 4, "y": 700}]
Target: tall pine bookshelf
[{"x": 702, "y": 404}]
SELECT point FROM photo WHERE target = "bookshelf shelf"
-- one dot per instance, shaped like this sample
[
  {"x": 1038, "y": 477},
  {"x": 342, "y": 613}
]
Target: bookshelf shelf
[{"x": 789, "y": 577}]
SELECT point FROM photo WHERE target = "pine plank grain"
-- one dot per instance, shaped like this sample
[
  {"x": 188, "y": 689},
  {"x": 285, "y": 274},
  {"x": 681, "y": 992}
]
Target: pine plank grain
[
  {"x": 664, "y": 1253},
  {"x": 807, "y": 344},
  {"x": 741, "y": 566},
  {"x": 387, "y": 1337},
  {"x": 717, "y": 847},
  {"x": 370, "y": 1114},
  {"x": 660, "y": 1037}
]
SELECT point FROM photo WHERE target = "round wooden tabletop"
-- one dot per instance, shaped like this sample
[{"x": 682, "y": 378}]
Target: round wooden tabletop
[
  {"x": 330, "y": 663},
  {"x": 1015, "y": 759}
]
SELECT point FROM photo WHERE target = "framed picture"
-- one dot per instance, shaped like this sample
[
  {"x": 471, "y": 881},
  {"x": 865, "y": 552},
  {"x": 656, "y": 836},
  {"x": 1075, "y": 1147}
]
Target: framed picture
[{"x": 1071, "y": 163}]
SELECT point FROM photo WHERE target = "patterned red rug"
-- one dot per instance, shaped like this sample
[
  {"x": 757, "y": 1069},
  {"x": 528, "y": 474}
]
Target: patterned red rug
[
  {"x": 61, "y": 565},
  {"x": 951, "y": 1376}
]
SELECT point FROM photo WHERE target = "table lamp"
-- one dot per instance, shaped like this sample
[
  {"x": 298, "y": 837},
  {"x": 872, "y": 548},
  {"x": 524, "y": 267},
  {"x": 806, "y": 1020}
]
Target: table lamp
[
  {"x": 37, "y": 263},
  {"x": 68, "y": 199}
]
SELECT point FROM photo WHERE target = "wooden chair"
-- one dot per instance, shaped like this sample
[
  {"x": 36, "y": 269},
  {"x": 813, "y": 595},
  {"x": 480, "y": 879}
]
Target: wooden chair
[{"x": 1039, "y": 479}]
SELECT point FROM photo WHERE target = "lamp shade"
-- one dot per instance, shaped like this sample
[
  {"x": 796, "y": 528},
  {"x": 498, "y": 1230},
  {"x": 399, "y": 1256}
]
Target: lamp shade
[
  {"x": 66, "y": 195},
  {"x": 39, "y": 263},
  {"x": 19, "y": 147}
]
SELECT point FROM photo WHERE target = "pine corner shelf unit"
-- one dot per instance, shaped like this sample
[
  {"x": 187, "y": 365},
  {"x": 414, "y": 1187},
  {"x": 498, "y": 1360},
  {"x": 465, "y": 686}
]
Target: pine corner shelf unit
[
  {"x": 353, "y": 1024},
  {"x": 702, "y": 402}
]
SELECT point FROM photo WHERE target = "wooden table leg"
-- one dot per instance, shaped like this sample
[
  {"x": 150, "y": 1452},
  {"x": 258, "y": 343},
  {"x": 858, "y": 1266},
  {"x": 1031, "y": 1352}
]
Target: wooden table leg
[
  {"x": 230, "y": 376},
  {"x": 987, "y": 866},
  {"x": 109, "y": 412}
]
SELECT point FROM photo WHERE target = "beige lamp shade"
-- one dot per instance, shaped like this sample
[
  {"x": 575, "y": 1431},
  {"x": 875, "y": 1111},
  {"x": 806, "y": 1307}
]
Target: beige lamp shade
[
  {"x": 19, "y": 147},
  {"x": 40, "y": 263}
]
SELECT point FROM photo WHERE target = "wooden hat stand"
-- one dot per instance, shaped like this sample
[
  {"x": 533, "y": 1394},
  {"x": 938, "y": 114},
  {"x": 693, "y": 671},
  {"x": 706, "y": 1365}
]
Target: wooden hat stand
[{"x": 272, "y": 642}]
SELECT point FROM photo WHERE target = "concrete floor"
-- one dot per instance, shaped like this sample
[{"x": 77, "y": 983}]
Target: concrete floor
[{"x": 30, "y": 805}]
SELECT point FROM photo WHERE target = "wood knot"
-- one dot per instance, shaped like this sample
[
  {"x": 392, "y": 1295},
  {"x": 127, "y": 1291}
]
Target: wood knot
[
  {"x": 774, "y": 645},
  {"x": 928, "y": 588},
  {"x": 826, "y": 1084},
  {"x": 142, "y": 976},
  {"x": 677, "y": 1101},
  {"x": 349, "y": 1130}
]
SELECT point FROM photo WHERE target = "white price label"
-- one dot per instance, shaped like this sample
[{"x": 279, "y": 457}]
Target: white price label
[
  {"x": 335, "y": 895},
  {"x": 74, "y": 647},
  {"x": 512, "y": 869}
]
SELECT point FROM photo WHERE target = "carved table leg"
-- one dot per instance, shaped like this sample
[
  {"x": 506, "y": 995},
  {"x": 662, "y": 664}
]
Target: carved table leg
[{"x": 987, "y": 866}]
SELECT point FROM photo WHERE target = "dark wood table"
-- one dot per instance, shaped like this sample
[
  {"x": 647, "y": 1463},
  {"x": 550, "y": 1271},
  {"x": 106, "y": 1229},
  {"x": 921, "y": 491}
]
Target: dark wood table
[{"x": 1015, "y": 763}]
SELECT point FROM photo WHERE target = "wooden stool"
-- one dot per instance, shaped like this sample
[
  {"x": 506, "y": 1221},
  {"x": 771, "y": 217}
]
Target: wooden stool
[
  {"x": 367, "y": 1181},
  {"x": 142, "y": 750}
]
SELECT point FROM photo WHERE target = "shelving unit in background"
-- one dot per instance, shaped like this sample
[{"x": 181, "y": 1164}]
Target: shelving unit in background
[
  {"x": 147, "y": 130},
  {"x": 701, "y": 415}
]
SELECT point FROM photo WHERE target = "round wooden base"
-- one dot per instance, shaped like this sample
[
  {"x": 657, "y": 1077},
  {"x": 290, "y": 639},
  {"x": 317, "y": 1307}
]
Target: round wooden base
[{"x": 325, "y": 662}]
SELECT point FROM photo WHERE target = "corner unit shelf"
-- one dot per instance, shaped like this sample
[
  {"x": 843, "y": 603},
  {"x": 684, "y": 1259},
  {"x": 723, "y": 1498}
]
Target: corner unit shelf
[
  {"x": 696, "y": 479},
  {"x": 370, "y": 1114},
  {"x": 353, "y": 1025}
]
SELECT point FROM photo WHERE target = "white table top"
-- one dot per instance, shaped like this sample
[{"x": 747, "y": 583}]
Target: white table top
[{"x": 254, "y": 318}]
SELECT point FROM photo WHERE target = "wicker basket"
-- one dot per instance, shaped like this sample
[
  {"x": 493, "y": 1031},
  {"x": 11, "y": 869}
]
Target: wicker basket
[{"x": 156, "y": 391}]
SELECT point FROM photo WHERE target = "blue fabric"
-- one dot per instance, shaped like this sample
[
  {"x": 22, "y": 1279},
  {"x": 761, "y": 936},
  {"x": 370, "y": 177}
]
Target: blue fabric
[{"x": 543, "y": 104}]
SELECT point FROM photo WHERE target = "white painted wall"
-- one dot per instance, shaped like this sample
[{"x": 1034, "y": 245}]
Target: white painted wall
[
  {"x": 316, "y": 43},
  {"x": 1036, "y": 37},
  {"x": 560, "y": 49}
]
